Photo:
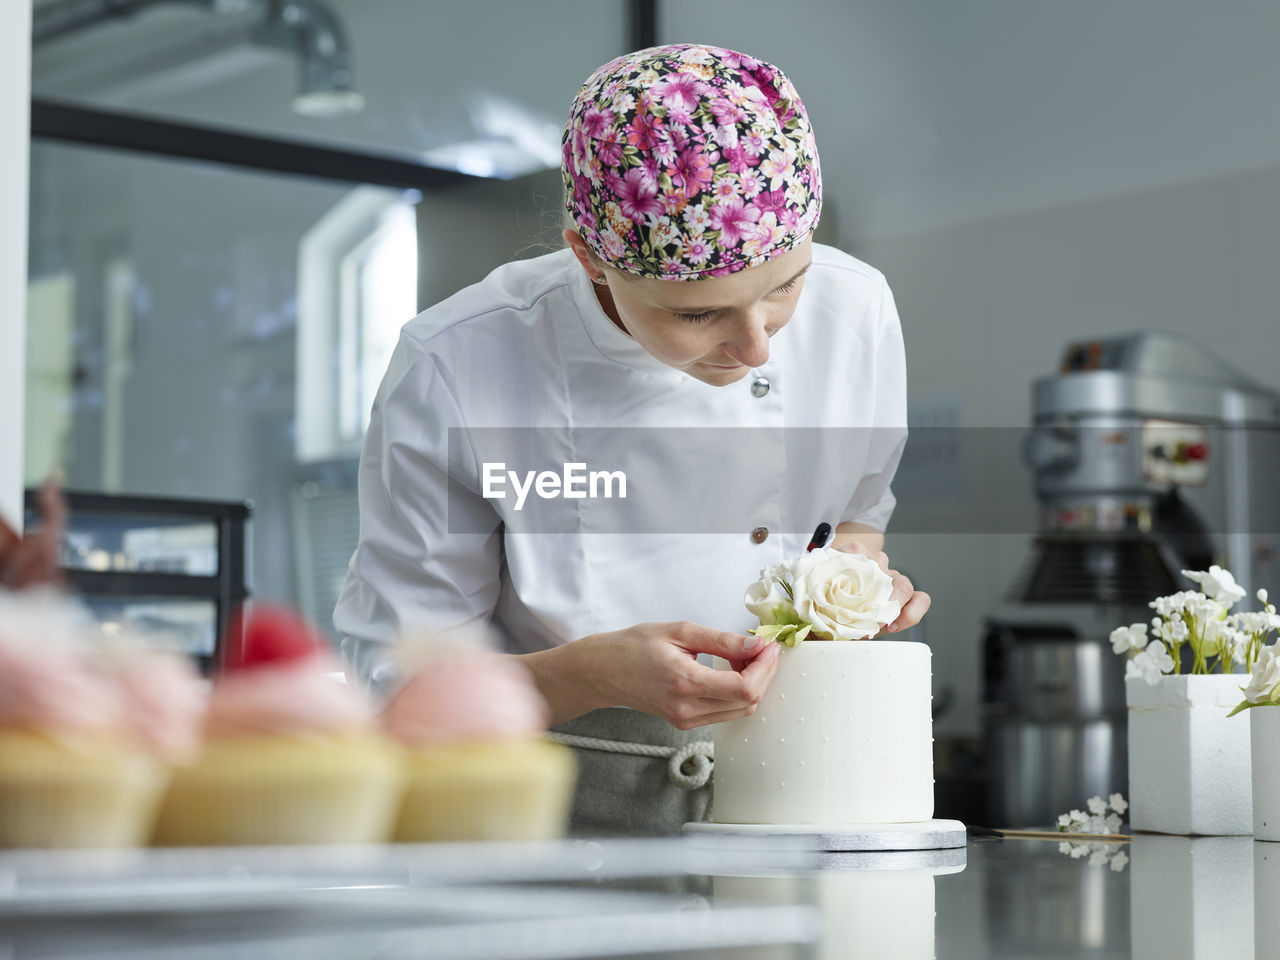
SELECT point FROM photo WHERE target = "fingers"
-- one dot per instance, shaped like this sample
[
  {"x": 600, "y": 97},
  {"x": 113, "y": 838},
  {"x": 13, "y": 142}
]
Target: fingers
[
  {"x": 710, "y": 710},
  {"x": 879, "y": 556},
  {"x": 717, "y": 717},
  {"x": 53, "y": 508},
  {"x": 913, "y": 612},
  {"x": 740, "y": 684},
  {"x": 902, "y": 588},
  {"x": 8, "y": 537},
  {"x": 27, "y": 561},
  {"x": 696, "y": 638}
]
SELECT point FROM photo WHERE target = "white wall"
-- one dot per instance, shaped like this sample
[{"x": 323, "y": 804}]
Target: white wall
[
  {"x": 1026, "y": 174},
  {"x": 15, "y": 81}
]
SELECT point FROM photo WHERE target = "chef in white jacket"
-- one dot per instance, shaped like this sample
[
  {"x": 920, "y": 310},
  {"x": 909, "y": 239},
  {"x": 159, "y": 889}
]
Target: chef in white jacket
[{"x": 594, "y": 452}]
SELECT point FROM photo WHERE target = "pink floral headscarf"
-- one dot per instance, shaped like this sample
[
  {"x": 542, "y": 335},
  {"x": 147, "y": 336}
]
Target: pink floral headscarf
[{"x": 687, "y": 161}]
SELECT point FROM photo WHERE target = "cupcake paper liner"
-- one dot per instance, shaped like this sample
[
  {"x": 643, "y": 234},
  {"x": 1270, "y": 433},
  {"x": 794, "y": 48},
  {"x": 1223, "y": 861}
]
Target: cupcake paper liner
[
  {"x": 284, "y": 790},
  {"x": 510, "y": 791},
  {"x": 75, "y": 793}
]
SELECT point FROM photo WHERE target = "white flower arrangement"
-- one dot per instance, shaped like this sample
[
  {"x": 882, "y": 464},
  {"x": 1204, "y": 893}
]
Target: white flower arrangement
[
  {"x": 1104, "y": 817},
  {"x": 1264, "y": 677},
  {"x": 825, "y": 594},
  {"x": 1198, "y": 618}
]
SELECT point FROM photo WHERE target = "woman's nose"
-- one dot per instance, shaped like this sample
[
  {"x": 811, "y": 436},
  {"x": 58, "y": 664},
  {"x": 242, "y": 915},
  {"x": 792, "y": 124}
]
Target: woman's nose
[{"x": 750, "y": 344}]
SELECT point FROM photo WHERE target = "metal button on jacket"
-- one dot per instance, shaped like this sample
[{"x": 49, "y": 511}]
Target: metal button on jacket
[
  {"x": 759, "y": 387},
  {"x": 759, "y": 534}
]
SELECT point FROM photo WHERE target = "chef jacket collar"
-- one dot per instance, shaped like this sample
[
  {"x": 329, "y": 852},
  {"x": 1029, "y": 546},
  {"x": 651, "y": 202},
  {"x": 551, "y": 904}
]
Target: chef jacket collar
[{"x": 606, "y": 336}]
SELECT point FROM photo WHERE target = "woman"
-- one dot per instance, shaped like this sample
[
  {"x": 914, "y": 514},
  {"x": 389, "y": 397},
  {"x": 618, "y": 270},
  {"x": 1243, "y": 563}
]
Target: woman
[{"x": 692, "y": 330}]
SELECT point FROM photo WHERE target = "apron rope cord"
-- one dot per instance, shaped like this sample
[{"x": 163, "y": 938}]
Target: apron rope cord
[{"x": 699, "y": 754}]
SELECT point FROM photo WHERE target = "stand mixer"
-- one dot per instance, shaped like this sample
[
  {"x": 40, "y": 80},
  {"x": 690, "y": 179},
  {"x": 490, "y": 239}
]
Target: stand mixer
[{"x": 1149, "y": 456}]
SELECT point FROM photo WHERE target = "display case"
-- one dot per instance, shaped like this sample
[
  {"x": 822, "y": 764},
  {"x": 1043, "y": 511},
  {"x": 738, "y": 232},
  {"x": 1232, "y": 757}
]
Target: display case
[{"x": 175, "y": 568}]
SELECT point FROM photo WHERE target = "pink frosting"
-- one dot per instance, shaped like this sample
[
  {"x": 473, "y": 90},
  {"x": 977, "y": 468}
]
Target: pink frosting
[
  {"x": 466, "y": 696},
  {"x": 164, "y": 703},
  {"x": 49, "y": 687},
  {"x": 293, "y": 697}
]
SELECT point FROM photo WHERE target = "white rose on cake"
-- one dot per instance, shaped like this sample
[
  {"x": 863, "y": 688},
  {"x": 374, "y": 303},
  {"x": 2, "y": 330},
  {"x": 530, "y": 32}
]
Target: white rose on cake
[{"x": 825, "y": 593}]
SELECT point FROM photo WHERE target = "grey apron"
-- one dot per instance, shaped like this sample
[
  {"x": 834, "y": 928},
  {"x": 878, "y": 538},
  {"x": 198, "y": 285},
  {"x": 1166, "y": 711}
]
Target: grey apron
[{"x": 622, "y": 792}]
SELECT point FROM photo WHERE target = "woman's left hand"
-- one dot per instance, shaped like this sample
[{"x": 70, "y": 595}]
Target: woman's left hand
[{"x": 915, "y": 603}]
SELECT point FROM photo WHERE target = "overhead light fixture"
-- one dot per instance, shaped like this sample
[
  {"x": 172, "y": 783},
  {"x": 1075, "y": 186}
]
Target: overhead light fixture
[{"x": 308, "y": 29}]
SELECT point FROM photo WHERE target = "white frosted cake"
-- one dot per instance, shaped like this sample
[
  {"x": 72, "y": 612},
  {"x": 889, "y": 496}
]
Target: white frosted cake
[{"x": 843, "y": 735}]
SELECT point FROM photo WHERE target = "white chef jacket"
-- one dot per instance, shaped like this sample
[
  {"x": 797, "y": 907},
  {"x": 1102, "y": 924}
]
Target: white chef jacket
[{"x": 530, "y": 347}]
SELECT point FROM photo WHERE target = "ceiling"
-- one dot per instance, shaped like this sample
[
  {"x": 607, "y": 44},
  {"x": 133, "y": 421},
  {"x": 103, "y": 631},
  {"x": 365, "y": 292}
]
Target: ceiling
[{"x": 473, "y": 84}]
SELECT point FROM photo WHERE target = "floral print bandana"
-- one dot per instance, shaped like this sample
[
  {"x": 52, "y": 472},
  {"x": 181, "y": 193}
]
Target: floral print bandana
[{"x": 686, "y": 161}]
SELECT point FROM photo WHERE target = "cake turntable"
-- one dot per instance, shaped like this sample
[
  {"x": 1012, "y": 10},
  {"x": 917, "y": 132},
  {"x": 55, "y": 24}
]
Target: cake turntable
[{"x": 851, "y": 837}]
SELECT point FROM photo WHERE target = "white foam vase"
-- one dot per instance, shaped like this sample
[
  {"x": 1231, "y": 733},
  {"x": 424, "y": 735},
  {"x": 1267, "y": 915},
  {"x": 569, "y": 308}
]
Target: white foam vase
[
  {"x": 1192, "y": 898},
  {"x": 1264, "y": 746},
  {"x": 1189, "y": 763}
]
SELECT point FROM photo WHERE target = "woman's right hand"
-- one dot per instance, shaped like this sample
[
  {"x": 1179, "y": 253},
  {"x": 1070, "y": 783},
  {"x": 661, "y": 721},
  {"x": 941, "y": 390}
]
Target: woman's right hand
[{"x": 654, "y": 667}]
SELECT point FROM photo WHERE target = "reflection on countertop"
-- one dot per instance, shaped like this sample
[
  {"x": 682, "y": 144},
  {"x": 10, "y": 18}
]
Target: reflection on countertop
[{"x": 1157, "y": 897}]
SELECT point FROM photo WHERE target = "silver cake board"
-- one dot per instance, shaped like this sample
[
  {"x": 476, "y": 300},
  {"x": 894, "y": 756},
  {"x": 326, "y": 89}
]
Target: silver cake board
[{"x": 847, "y": 837}]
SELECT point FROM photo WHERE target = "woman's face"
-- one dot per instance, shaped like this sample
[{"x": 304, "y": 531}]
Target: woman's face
[{"x": 715, "y": 329}]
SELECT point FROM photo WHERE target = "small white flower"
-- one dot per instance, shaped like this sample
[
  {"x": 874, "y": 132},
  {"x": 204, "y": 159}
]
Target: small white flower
[
  {"x": 1119, "y": 861},
  {"x": 1262, "y": 595},
  {"x": 1178, "y": 630},
  {"x": 1099, "y": 857},
  {"x": 1078, "y": 816},
  {"x": 1265, "y": 677},
  {"x": 1064, "y": 821},
  {"x": 1133, "y": 668},
  {"x": 1078, "y": 850},
  {"x": 1132, "y": 637},
  {"x": 1113, "y": 822},
  {"x": 1217, "y": 583},
  {"x": 1118, "y": 803},
  {"x": 1097, "y": 805},
  {"x": 1160, "y": 661},
  {"x": 1064, "y": 847}
]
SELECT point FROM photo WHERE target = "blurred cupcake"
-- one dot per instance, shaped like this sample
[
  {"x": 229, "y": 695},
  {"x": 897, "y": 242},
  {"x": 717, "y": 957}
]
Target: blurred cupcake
[
  {"x": 290, "y": 755},
  {"x": 73, "y": 772},
  {"x": 470, "y": 720}
]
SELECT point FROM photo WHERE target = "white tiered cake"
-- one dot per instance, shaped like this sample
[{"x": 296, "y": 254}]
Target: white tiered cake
[{"x": 843, "y": 735}]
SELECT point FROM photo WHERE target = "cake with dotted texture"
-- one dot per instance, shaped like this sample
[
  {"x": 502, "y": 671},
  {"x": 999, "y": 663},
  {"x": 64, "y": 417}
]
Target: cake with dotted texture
[{"x": 844, "y": 735}]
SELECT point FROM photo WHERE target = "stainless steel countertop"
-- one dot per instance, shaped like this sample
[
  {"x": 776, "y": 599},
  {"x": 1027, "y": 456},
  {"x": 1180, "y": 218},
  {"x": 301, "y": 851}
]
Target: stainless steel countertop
[{"x": 1165, "y": 897}]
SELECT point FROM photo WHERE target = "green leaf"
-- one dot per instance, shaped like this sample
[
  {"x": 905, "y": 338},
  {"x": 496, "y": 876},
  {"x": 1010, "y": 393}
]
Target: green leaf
[
  {"x": 770, "y": 631},
  {"x": 1247, "y": 705}
]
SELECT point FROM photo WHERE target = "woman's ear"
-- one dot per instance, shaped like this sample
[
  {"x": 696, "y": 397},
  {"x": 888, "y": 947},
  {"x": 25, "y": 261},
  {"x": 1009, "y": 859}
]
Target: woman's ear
[{"x": 585, "y": 257}]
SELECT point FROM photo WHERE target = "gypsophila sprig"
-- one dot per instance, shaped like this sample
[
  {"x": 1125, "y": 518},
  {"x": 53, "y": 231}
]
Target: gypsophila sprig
[
  {"x": 1103, "y": 816},
  {"x": 1099, "y": 854},
  {"x": 1200, "y": 620}
]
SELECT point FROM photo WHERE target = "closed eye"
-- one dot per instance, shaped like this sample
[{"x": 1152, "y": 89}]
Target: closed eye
[
  {"x": 706, "y": 315},
  {"x": 697, "y": 317}
]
